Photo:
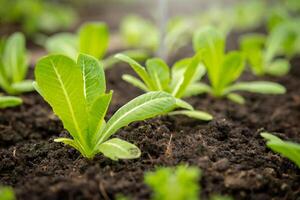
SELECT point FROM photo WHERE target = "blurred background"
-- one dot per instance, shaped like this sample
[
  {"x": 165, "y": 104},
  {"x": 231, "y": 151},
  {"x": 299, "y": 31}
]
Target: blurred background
[{"x": 150, "y": 21}]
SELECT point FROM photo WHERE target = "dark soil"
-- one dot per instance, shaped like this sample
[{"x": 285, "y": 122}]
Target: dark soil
[{"x": 229, "y": 149}]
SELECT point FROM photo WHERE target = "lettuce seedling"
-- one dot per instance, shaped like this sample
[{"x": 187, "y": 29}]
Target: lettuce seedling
[
  {"x": 76, "y": 92},
  {"x": 284, "y": 39},
  {"x": 179, "y": 82},
  {"x": 176, "y": 184},
  {"x": 289, "y": 150},
  {"x": 92, "y": 39},
  {"x": 180, "y": 183},
  {"x": 224, "y": 69},
  {"x": 9, "y": 101},
  {"x": 134, "y": 28},
  {"x": 7, "y": 193},
  {"x": 14, "y": 65},
  {"x": 256, "y": 51}
]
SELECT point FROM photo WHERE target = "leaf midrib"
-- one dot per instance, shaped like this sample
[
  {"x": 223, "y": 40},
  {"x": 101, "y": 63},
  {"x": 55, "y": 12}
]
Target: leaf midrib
[{"x": 68, "y": 101}]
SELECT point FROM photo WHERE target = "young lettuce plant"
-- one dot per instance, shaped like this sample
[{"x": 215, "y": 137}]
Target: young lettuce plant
[
  {"x": 134, "y": 28},
  {"x": 284, "y": 39},
  {"x": 177, "y": 184},
  {"x": 92, "y": 39},
  {"x": 14, "y": 65},
  {"x": 179, "y": 82},
  {"x": 289, "y": 150},
  {"x": 261, "y": 62},
  {"x": 76, "y": 92},
  {"x": 180, "y": 183},
  {"x": 225, "y": 68}
]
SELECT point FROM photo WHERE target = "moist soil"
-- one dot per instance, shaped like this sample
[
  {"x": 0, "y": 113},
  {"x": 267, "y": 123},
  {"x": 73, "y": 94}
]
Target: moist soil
[{"x": 229, "y": 149}]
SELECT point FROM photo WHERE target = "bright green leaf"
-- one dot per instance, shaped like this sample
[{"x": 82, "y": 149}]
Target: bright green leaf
[
  {"x": 263, "y": 87},
  {"x": 9, "y": 101},
  {"x": 143, "y": 107},
  {"x": 135, "y": 82},
  {"x": 119, "y": 149},
  {"x": 193, "y": 114},
  {"x": 93, "y": 39},
  {"x": 289, "y": 150}
]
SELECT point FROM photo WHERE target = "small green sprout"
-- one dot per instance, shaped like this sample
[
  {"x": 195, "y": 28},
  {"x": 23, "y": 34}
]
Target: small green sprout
[
  {"x": 76, "y": 92},
  {"x": 7, "y": 193},
  {"x": 289, "y": 150},
  {"x": 37, "y": 15},
  {"x": 9, "y": 101},
  {"x": 176, "y": 184},
  {"x": 224, "y": 69},
  {"x": 180, "y": 183},
  {"x": 14, "y": 65},
  {"x": 92, "y": 39},
  {"x": 134, "y": 28},
  {"x": 284, "y": 39},
  {"x": 179, "y": 82},
  {"x": 256, "y": 51}
]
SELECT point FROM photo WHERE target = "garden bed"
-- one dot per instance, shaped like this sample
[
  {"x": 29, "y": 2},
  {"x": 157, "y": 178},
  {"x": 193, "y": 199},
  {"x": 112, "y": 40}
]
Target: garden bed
[{"x": 230, "y": 151}]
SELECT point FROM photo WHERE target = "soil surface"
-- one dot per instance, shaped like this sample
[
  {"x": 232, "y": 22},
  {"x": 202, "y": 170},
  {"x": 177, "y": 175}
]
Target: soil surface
[{"x": 229, "y": 150}]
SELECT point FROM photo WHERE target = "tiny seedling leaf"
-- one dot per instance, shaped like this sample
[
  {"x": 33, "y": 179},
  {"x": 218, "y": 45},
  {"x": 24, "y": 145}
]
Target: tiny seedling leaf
[
  {"x": 289, "y": 150},
  {"x": 119, "y": 149},
  {"x": 9, "y": 101}
]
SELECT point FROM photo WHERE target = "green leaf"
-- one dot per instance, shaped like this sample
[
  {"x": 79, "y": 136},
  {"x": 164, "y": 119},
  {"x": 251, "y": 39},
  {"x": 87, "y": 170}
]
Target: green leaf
[
  {"x": 232, "y": 67},
  {"x": 63, "y": 43},
  {"x": 253, "y": 47},
  {"x": 14, "y": 58},
  {"x": 193, "y": 114},
  {"x": 171, "y": 183},
  {"x": 134, "y": 29},
  {"x": 143, "y": 107},
  {"x": 7, "y": 193},
  {"x": 183, "y": 104},
  {"x": 9, "y": 101},
  {"x": 71, "y": 143},
  {"x": 97, "y": 113},
  {"x": 119, "y": 149},
  {"x": 188, "y": 74},
  {"x": 289, "y": 150},
  {"x": 138, "y": 55},
  {"x": 93, "y": 39},
  {"x": 180, "y": 67},
  {"x": 141, "y": 72},
  {"x": 23, "y": 86},
  {"x": 159, "y": 72},
  {"x": 60, "y": 81},
  {"x": 278, "y": 67},
  {"x": 236, "y": 98},
  {"x": 196, "y": 89},
  {"x": 135, "y": 82},
  {"x": 263, "y": 87},
  {"x": 212, "y": 45},
  {"x": 93, "y": 78}
]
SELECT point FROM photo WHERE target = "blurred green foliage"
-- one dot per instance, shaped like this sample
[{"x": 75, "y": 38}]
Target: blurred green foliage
[
  {"x": 176, "y": 184},
  {"x": 36, "y": 15},
  {"x": 7, "y": 193}
]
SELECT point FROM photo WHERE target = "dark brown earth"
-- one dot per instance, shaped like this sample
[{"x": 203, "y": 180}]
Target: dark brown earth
[{"x": 229, "y": 149}]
